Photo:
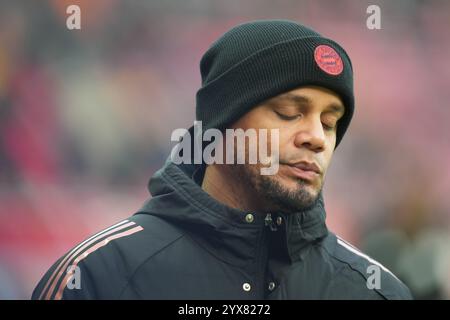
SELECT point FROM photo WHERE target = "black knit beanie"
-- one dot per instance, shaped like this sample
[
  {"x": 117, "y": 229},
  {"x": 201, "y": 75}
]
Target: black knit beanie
[{"x": 258, "y": 60}]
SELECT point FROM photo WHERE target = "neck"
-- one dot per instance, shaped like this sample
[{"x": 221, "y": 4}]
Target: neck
[{"x": 221, "y": 183}]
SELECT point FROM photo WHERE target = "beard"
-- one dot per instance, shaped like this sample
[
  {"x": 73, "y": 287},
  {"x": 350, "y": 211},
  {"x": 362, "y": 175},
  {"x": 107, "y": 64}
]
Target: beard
[{"x": 277, "y": 197}]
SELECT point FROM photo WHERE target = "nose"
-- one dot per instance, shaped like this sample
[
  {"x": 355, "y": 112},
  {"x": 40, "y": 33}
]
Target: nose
[{"x": 310, "y": 135}]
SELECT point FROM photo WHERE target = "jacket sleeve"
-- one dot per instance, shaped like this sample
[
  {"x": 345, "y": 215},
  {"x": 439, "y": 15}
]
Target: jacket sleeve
[
  {"x": 65, "y": 281},
  {"x": 97, "y": 268}
]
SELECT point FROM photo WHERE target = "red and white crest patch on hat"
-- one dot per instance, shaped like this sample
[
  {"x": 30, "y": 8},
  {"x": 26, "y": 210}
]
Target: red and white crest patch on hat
[{"x": 328, "y": 60}]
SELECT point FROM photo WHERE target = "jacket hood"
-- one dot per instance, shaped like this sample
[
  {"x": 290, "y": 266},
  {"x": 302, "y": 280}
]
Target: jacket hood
[{"x": 177, "y": 196}]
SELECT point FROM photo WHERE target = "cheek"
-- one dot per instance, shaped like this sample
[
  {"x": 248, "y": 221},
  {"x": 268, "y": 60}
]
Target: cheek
[
  {"x": 286, "y": 143},
  {"x": 327, "y": 159}
]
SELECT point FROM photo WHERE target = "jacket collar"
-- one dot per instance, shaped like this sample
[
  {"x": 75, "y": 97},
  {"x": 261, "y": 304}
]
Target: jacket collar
[{"x": 224, "y": 230}]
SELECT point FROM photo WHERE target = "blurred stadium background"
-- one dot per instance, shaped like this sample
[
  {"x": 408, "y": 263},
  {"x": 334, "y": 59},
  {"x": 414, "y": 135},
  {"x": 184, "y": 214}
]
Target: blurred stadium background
[{"x": 86, "y": 118}]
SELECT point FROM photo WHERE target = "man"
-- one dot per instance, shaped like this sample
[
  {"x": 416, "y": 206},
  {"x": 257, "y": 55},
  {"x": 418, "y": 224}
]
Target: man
[{"x": 225, "y": 231}]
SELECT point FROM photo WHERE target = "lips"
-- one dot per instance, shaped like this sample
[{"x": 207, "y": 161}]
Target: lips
[
  {"x": 304, "y": 170},
  {"x": 307, "y": 166}
]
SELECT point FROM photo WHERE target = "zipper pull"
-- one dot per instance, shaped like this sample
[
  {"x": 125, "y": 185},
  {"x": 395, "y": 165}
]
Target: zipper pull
[{"x": 269, "y": 222}]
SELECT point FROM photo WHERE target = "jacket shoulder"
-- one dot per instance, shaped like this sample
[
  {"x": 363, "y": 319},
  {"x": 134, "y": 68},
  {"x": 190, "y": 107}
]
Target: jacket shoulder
[
  {"x": 101, "y": 266},
  {"x": 372, "y": 274}
]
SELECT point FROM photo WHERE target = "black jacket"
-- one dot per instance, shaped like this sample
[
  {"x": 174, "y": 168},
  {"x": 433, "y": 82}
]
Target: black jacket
[{"x": 183, "y": 244}]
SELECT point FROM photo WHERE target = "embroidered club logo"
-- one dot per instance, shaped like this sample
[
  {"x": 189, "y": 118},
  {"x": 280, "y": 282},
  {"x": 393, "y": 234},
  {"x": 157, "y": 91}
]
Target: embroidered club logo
[{"x": 328, "y": 60}]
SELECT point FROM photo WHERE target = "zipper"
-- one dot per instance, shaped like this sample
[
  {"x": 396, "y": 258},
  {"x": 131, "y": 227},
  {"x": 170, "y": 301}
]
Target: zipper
[
  {"x": 269, "y": 226},
  {"x": 268, "y": 222}
]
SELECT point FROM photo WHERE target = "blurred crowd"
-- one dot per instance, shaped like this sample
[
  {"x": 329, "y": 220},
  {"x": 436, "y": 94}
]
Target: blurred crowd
[{"x": 86, "y": 117}]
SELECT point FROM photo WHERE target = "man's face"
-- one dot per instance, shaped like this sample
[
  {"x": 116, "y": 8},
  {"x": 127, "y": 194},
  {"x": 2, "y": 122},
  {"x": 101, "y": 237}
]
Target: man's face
[{"x": 306, "y": 118}]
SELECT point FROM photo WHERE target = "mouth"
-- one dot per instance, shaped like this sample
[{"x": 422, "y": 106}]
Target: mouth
[{"x": 304, "y": 170}]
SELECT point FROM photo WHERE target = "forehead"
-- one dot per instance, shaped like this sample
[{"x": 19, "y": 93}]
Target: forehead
[{"x": 311, "y": 95}]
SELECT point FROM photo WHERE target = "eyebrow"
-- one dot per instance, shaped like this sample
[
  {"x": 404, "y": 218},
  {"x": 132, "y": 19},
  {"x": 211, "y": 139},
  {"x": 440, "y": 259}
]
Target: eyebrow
[{"x": 301, "y": 100}]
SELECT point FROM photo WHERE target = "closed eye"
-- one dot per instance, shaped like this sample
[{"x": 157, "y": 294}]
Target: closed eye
[
  {"x": 328, "y": 127},
  {"x": 286, "y": 117},
  {"x": 329, "y": 122}
]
